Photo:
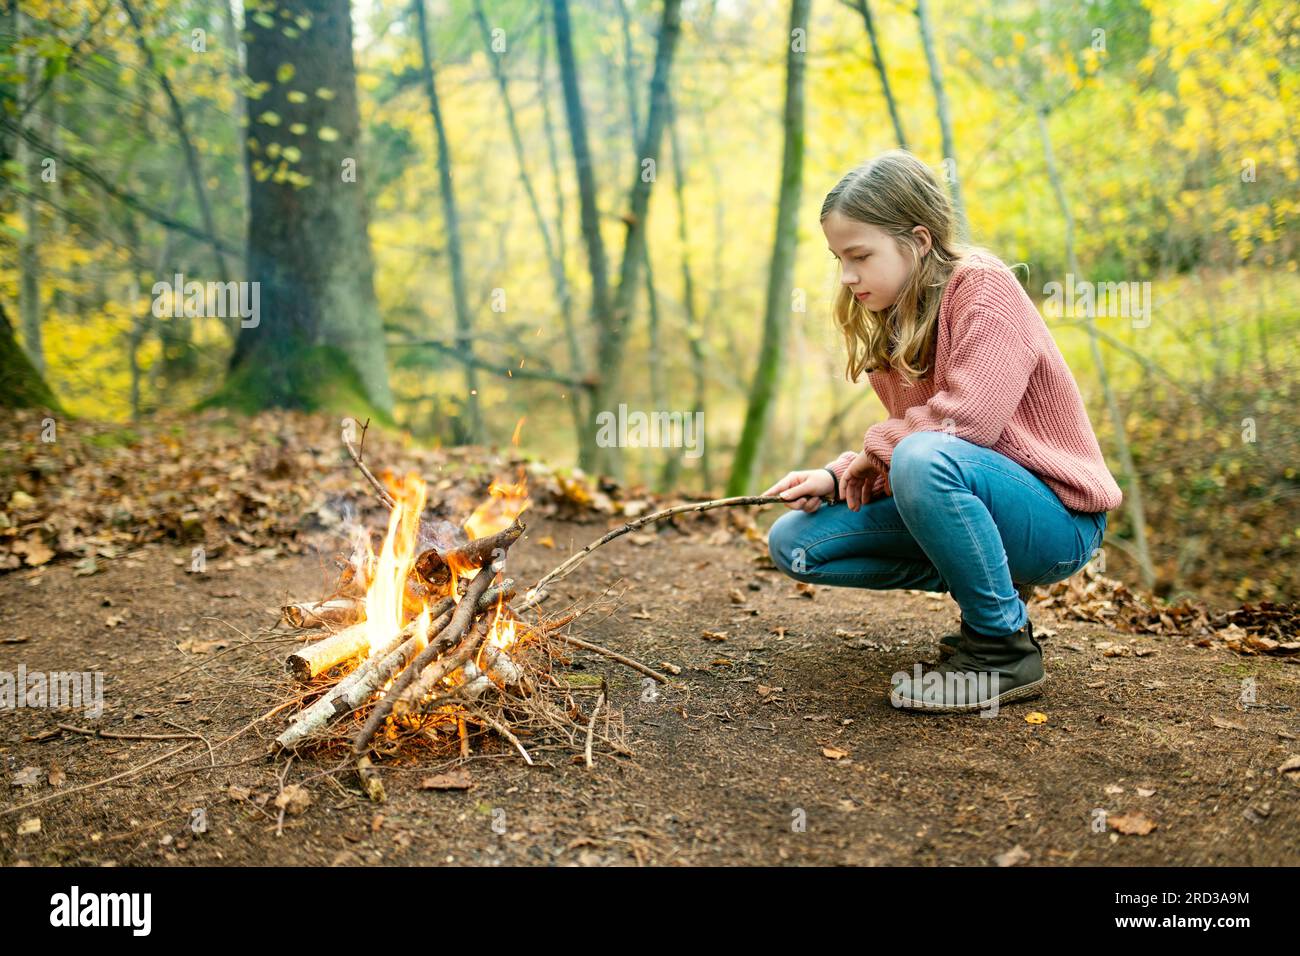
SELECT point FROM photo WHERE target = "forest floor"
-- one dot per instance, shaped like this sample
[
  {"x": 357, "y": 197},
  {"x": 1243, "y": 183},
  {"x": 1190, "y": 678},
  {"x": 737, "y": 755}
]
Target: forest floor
[{"x": 775, "y": 744}]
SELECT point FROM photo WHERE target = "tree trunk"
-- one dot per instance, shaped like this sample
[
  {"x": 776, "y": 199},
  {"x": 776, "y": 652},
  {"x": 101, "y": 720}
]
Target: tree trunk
[
  {"x": 29, "y": 260},
  {"x": 611, "y": 343},
  {"x": 777, "y": 314},
  {"x": 869, "y": 22},
  {"x": 945, "y": 119},
  {"x": 553, "y": 247},
  {"x": 469, "y": 428},
  {"x": 597, "y": 260},
  {"x": 655, "y": 360},
  {"x": 21, "y": 385},
  {"x": 694, "y": 326},
  {"x": 1136, "y": 511},
  {"x": 319, "y": 340},
  {"x": 191, "y": 154}
]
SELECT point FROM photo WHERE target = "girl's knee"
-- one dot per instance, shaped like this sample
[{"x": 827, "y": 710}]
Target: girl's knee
[
  {"x": 915, "y": 456},
  {"x": 783, "y": 542}
]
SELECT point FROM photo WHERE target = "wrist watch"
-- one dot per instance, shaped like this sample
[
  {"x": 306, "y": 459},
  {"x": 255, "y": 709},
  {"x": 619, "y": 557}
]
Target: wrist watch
[{"x": 835, "y": 488}]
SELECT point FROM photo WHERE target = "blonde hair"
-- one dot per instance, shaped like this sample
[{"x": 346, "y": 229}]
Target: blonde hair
[{"x": 897, "y": 192}]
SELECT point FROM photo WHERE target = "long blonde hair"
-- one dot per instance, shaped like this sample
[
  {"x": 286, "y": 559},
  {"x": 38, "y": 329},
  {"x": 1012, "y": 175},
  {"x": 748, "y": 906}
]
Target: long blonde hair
[{"x": 897, "y": 192}]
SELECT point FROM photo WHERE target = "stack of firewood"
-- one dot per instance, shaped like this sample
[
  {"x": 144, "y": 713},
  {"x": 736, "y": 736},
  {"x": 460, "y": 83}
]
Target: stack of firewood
[{"x": 408, "y": 672}]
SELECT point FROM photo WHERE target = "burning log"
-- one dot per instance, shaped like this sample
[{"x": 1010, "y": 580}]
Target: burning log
[
  {"x": 502, "y": 666},
  {"x": 306, "y": 662},
  {"x": 337, "y": 611},
  {"x": 435, "y": 566}
]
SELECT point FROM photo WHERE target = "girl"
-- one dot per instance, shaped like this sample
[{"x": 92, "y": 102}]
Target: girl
[{"x": 986, "y": 479}]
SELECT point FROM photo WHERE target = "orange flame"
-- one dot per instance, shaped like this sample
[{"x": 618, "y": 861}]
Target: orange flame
[{"x": 384, "y": 597}]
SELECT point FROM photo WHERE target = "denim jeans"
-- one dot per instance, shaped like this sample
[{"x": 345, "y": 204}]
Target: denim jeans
[{"x": 962, "y": 519}]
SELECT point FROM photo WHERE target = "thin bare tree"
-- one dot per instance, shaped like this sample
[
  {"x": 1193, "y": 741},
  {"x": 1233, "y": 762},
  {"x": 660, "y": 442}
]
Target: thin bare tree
[{"x": 776, "y": 317}]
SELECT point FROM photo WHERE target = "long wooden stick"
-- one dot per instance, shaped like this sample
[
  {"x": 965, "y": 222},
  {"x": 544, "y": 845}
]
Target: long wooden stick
[{"x": 534, "y": 594}]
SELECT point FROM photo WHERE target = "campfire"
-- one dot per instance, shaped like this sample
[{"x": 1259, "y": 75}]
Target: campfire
[
  {"x": 425, "y": 641},
  {"x": 428, "y": 636}
]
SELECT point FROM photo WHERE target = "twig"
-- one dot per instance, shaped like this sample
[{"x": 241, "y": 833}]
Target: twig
[
  {"x": 99, "y": 783},
  {"x": 375, "y": 483},
  {"x": 279, "y": 820},
  {"x": 504, "y": 731},
  {"x": 461, "y": 621},
  {"x": 591, "y": 724},
  {"x": 109, "y": 735},
  {"x": 612, "y": 655}
]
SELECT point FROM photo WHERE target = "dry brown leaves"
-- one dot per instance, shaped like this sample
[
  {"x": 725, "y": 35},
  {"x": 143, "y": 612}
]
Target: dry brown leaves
[
  {"x": 247, "y": 489},
  {"x": 1263, "y": 628}
]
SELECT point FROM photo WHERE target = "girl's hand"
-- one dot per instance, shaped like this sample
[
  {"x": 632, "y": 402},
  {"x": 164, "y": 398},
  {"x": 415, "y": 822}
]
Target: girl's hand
[
  {"x": 859, "y": 479},
  {"x": 804, "y": 489}
]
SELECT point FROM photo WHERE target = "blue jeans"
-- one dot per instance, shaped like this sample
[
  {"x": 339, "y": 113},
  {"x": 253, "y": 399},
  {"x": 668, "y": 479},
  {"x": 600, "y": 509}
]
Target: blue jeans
[{"x": 962, "y": 518}]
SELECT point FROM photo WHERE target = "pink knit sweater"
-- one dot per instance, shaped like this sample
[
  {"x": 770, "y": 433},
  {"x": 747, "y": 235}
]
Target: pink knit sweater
[{"x": 999, "y": 381}]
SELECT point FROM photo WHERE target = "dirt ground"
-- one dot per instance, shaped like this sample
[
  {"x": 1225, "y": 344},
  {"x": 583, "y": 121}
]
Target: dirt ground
[{"x": 729, "y": 760}]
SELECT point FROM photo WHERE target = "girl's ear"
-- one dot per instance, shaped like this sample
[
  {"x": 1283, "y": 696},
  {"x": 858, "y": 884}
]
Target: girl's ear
[{"x": 922, "y": 238}]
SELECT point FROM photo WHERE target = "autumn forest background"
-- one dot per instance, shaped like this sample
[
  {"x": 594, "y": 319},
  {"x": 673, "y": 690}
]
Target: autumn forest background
[{"x": 464, "y": 213}]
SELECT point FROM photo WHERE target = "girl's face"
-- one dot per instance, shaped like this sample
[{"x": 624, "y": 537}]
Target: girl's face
[{"x": 872, "y": 263}]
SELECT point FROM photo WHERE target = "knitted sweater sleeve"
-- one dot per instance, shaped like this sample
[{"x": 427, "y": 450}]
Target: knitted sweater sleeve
[{"x": 992, "y": 355}]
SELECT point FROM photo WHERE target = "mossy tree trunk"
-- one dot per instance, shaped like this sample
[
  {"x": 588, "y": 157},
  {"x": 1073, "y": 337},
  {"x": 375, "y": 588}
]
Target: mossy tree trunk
[
  {"x": 21, "y": 385},
  {"x": 319, "y": 330},
  {"x": 777, "y": 315}
]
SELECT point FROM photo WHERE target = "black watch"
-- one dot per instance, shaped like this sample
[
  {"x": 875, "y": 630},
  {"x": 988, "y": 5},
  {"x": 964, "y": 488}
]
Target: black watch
[{"x": 835, "y": 488}]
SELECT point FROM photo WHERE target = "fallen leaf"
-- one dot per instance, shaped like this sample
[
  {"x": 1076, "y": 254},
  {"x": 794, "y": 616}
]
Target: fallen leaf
[
  {"x": 195, "y": 646},
  {"x": 1011, "y": 857},
  {"x": 1034, "y": 717},
  {"x": 57, "y": 777},
  {"x": 1223, "y": 724},
  {"x": 1290, "y": 769},
  {"x": 35, "y": 550},
  {"x": 29, "y": 826},
  {"x": 27, "y": 777},
  {"x": 452, "y": 780},
  {"x": 834, "y": 753},
  {"x": 1134, "y": 823},
  {"x": 293, "y": 799}
]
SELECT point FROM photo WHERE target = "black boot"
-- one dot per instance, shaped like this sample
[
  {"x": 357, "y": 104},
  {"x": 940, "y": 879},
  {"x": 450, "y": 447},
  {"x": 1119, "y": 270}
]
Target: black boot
[
  {"x": 949, "y": 643},
  {"x": 985, "y": 672}
]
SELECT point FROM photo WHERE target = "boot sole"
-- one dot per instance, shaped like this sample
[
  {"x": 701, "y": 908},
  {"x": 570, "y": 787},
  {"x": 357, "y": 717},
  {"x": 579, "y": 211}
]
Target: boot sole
[{"x": 1023, "y": 692}]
